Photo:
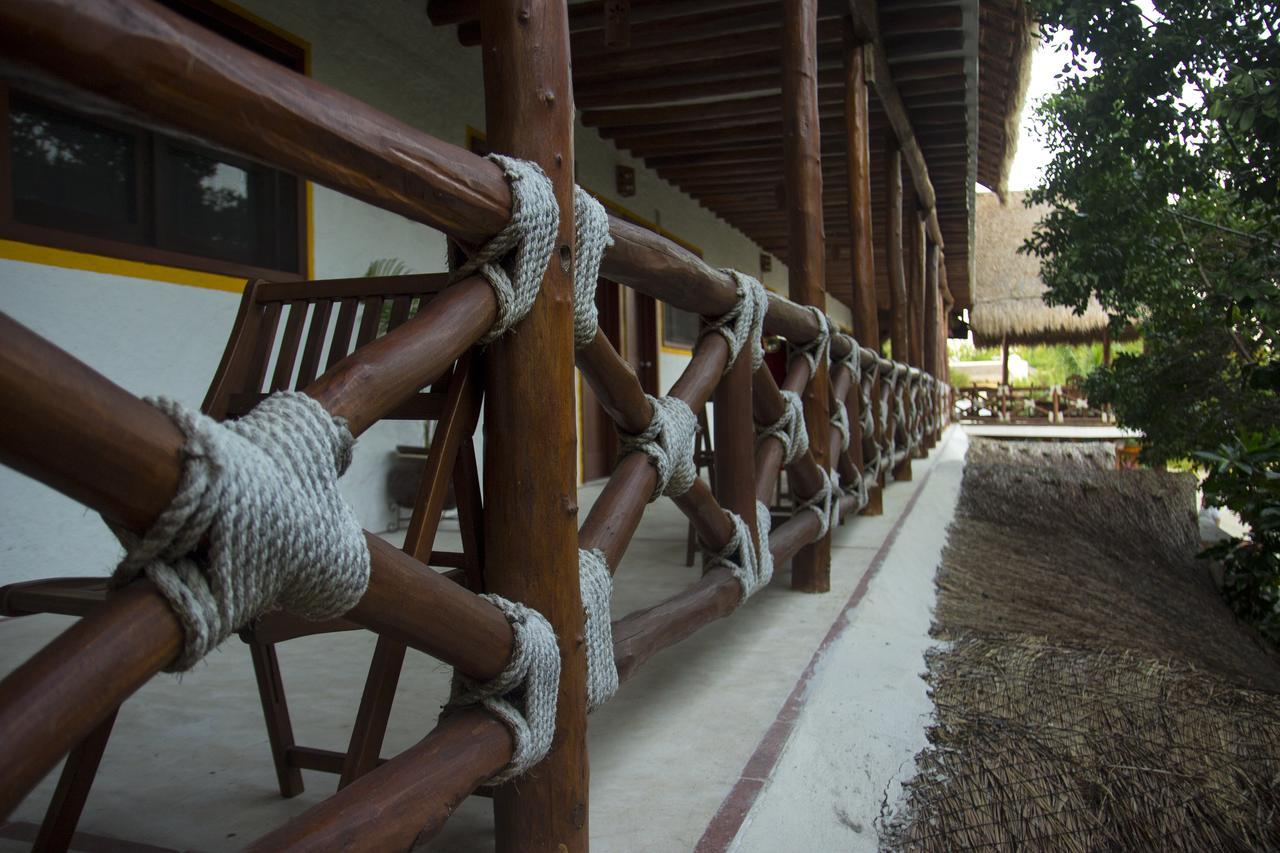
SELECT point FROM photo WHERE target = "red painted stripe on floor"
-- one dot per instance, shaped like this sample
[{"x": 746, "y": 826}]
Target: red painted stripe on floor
[{"x": 732, "y": 814}]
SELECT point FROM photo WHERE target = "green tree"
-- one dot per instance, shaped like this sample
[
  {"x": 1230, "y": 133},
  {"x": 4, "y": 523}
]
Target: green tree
[{"x": 1163, "y": 187}]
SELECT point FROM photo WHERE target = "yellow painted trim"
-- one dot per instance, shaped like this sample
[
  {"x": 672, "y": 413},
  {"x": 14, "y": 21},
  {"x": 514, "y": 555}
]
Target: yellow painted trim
[
  {"x": 670, "y": 350},
  {"x": 33, "y": 254}
]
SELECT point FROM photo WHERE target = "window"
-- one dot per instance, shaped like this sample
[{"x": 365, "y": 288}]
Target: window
[
  {"x": 97, "y": 185},
  {"x": 679, "y": 328}
]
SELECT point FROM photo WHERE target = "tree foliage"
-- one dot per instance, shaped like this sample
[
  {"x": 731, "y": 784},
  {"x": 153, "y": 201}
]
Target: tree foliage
[
  {"x": 1164, "y": 206},
  {"x": 1166, "y": 139}
]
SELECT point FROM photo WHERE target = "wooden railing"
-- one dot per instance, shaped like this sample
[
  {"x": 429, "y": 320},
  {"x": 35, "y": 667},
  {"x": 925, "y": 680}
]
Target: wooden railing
[
  {"x": 1053, "y": 404},
  {"x": 68, "y": 426}
]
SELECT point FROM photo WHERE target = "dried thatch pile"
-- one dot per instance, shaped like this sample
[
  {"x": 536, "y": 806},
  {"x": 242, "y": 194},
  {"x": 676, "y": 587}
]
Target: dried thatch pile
[{"x": 1095, "y": 692}]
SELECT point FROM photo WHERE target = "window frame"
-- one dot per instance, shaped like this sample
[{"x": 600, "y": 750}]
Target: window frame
[{"x": 148, "y": 147}]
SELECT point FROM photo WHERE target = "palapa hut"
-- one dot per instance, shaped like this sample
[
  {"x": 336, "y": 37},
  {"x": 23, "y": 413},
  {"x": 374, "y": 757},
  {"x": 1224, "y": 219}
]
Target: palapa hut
[{"x": 1008, "y": 293}]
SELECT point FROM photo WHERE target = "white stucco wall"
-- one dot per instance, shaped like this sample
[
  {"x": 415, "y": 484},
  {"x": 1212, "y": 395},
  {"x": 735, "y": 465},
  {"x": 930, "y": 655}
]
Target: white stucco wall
[{"x": 163, "y": 338}]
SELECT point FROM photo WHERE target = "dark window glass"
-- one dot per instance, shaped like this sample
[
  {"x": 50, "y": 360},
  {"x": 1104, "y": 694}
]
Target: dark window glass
[
  {"x": 217, "y": 209},
  {"x": 72, "y": 173},
  {"x": 679, "y": 328}
]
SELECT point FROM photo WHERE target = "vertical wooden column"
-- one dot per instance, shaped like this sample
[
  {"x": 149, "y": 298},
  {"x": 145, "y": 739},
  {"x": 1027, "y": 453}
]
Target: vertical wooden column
[
  {"x": 531, "y": 506},
  {"x": 802, "y": 152},
  {"x": 931, "y": 324},
  {"x": 915, "y": 275},
  {"x": 866, "y": 326},
  {"x": 899, "y": 307}
]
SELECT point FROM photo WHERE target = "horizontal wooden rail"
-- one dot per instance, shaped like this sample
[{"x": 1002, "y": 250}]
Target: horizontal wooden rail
[
  {"x": 128, "y": 472},
  {"x": 408, "y": 798}
]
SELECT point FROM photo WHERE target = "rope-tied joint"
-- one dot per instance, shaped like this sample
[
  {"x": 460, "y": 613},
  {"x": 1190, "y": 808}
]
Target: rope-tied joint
[
  {"x": 743, "y": 324},
  {"x": 591, "y": 234},
  {"x": 789, "y": 428},
  {"x": 824, "y": 503},
  {"x": 668, "y": 442},
  {"x": 261, "y": 494},
  {"x": 818, "y": 350},
  {"x": 523, "y": 695},
  {"x": 515, "y": 260},
  {"x": 751, "y": 564},
  {"x": 596, "y": 586}
]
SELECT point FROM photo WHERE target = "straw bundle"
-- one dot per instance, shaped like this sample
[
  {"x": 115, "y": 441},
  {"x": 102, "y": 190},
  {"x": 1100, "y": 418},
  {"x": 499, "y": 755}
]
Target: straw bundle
[
  {"x": 1100, "y": 455},
  {"x": 1096, "y": 693}
]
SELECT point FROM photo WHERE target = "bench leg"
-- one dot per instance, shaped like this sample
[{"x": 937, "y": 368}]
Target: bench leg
[
  {"x": 375, "y": 710},
  {"x": 68, "y": 801},
  {"x": 276, "y": 713}
]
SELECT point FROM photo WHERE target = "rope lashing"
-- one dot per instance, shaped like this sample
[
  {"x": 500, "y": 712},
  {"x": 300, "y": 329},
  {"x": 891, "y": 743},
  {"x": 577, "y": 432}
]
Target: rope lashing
[
  {"x": 525, "y": 245},
  {"x": 840, "y": 421},
  {"x": 522, "y": 696},
  {"x": 668, "y": 442},
  {"x": 789, "y": 428},
  {"x": 823, "y": 503},
  {"x": 744, "y": 323},
  {"x": 591, "y": 234},
  {"x": 820, "y": 346},
  {"x": 596, "y": 585},
  {"x": 852, "y": 359},
  {"x": 263, "y": 492},
  {"x": 753, "y": 567}
]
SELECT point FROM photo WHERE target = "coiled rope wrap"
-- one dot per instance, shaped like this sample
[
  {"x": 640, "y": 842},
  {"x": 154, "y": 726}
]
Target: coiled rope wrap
[
  {"x": 597, "y": 593},
  {"x": 522, "y": 696},
  {"x": 789, "y": 428},
  {"x": 852, "y": 361},
  {"x": 818, "y": 349},
  {"x": 744, "y": 323},
  {"x": 524, "y": 246},
  {"x": 263, "y": 492},
  {"x": 668, "y": 442},
  {"x": 871, "y": 461},
  {"x": 591, "y": 234},
  {"x": 753, "y": 567},
  {"x": 823, "y": 503}
]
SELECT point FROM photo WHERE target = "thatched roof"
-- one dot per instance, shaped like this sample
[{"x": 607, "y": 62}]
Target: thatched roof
[{"x": 1008, "y": 292}]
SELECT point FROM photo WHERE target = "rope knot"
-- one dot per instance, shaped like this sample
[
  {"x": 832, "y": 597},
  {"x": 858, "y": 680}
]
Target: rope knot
[
  {"x": 515, "y": 259},
  {"x": 752, "y": 566},
  {"x": 820, "y": 347},
  {"x": 262, "y": 494},
  {"x": 789, "y": 429},
  {"x": 668, "y": 442},
  {"x": 596, "y": 586},
  {"x": 591, "y": 234},
  {"x": 522, "y": 696},
  {"x": 744, "y": 323}
]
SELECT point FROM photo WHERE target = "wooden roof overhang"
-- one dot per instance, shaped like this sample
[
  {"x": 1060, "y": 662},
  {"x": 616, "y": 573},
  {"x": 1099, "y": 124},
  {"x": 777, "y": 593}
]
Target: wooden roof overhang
[{"x": 696, "y": 94}]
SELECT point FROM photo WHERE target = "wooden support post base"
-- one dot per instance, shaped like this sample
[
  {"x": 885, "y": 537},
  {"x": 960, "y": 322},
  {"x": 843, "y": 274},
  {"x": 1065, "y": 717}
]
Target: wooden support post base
[
  {"x": 902, "y": 473},
  {"x": 875, "y": 501},
  {"x": 920, "y": 451}
]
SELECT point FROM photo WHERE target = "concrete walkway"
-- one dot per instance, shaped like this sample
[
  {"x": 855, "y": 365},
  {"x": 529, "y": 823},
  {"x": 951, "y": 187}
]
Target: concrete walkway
[
  {"x": 715, "y": 744},
  {"x": 1050, "y": 432}
]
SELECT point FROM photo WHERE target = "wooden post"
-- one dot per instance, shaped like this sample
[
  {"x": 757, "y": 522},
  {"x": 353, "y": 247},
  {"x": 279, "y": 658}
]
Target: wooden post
[
  {"x": 1004, "y": 377},
  {"x": 801, "y": 144},
  {"x": 899, "y": 307},
  {"x": 898, "y": 329},
  {"x": 866, "y": 325},
  {"x": 735, "y": 444},
  {"x": 531, "y": 506},
  {"x": 932, "y": 326},
  {"x": 1106, "y": 346},
  {"x": 915, "y": 275}
]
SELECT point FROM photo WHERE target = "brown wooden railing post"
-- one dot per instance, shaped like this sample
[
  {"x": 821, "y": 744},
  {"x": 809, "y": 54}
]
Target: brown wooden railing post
[
  {"x": 531, "y": 537},
  {"x": 801, "y": 144},
  {"x": 866, "y": 325},
  {"x": 932, "y": 328},
  {"x": 899, "y": 307}
]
